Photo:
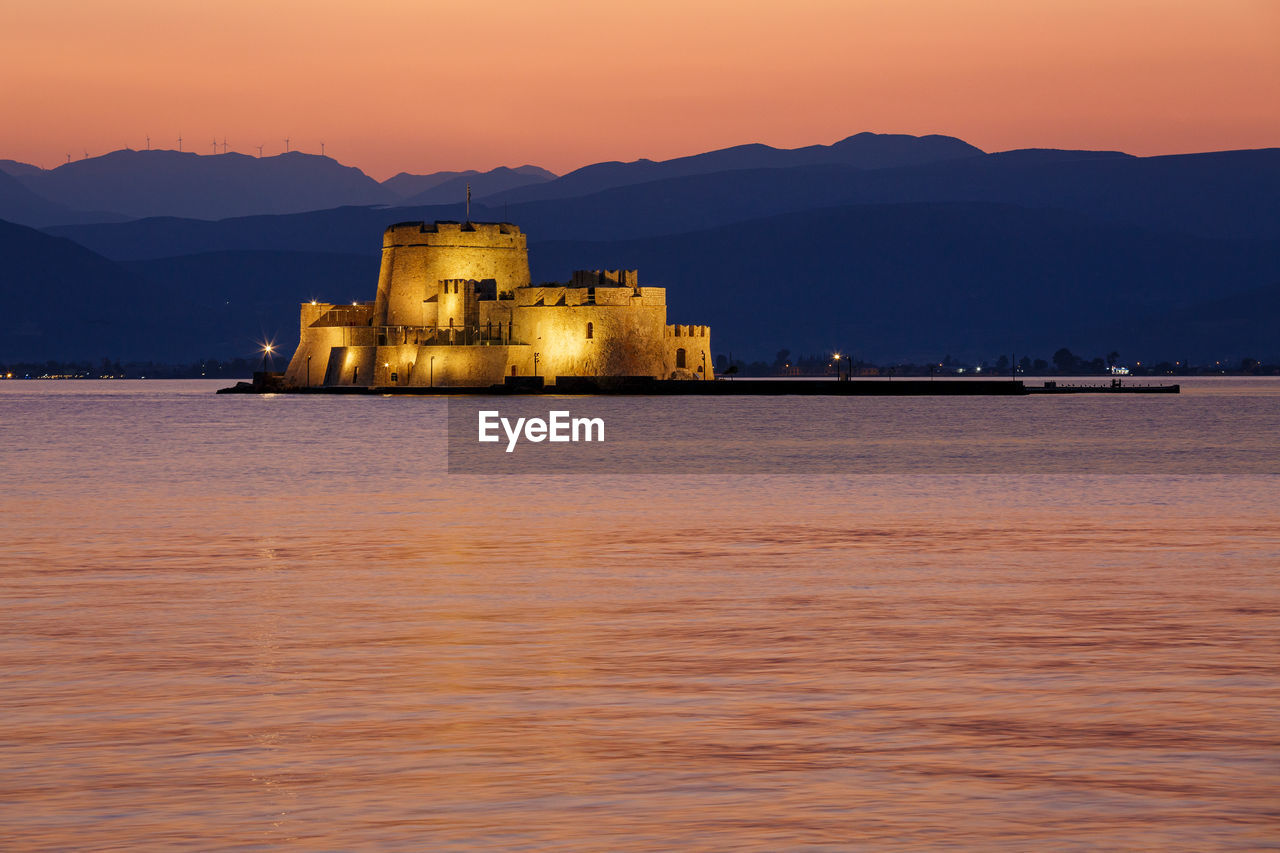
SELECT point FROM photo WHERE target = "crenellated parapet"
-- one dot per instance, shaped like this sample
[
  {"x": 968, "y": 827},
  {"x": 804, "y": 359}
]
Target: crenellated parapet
[
  {"x": 593, "y": 287},
  {"x": 560, "y": 296},
  {"x": 442, "y": 233},
  {"x": 605, "y": 278}
]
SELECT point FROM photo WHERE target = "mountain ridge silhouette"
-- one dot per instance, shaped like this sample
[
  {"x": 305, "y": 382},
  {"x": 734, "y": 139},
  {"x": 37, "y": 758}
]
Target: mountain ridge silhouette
[{"x": 1158, "y": 251}]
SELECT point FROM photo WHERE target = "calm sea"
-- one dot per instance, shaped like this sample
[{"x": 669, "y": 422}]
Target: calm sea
[{"x": 278, "y": 623}]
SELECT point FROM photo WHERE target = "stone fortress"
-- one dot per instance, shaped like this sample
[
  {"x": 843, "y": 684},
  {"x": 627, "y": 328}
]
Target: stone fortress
[{"x": 455, "y": 307}]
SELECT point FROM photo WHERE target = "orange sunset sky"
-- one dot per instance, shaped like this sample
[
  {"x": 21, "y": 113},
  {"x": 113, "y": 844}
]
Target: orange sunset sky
[{"x": 419, "y": 85}]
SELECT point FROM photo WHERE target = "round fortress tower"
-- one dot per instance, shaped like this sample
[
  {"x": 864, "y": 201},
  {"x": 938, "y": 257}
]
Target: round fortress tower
[{"x": 417, "y": 256}]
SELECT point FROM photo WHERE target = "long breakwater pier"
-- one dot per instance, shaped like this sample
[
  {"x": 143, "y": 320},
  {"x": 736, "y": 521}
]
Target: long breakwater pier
[{"x": 273, "y": 383}]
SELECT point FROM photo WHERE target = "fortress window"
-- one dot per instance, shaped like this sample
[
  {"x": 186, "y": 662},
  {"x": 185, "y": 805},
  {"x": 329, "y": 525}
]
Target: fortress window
[
  {"x": 680, "y": 357},
  {"x": 591, "y": 329}
]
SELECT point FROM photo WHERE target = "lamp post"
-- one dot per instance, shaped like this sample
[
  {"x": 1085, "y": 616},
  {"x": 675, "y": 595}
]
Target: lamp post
[
  {"x": 308, "y": 371},
  {"x": 836, "y": 357},
  {"x": 267, "y": 350},
  {"x": 704, "y": 364},
  {"x": 432, "y": 373},
  {"x": 536, "y": 356}
]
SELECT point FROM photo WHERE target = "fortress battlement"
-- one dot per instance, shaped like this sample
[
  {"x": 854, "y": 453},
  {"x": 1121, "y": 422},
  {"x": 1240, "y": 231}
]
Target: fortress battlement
[
  {"x": 486, "y": 289},
  {"x": 605, "y": 278},
  {"x": 449, "y": 233},
  {"x": 562, "y": 295}
]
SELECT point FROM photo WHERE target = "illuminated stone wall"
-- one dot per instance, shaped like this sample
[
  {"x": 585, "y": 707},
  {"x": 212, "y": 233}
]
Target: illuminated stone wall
[
  {"x": 324, "y": 327},
  {"x": 350, "y": 365},
  {"x": 696, "y": 343},
  {"x": 475, "y": 365},
  {"x": 626, "y": 340},
  {"x": 443, "y": 366},
  {"x": 416, "y": 257}
]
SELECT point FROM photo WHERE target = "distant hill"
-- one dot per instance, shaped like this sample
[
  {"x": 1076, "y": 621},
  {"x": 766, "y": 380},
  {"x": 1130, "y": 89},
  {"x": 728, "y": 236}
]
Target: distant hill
[
  {"x": 233, "y": 301},
  {"x": 20, "y": 205},
  {"x": 905, "y": 247},
  {"x": 918, "y": 281},
  {"x": 64, "y": 302},
  {"x": 1226, "y": 327},
  {"x": 862, "y": 151},
  {"x": 483, "y": 184},
  {"x": 198, "y": 186},
  {"x": 1225, "y": 194},
  {"x": 900, "y": 281},
  {"x": 1058, "y": 155},
  {"x": 1232, "y": 193},
  {"x": 16, "y": 168},
  {"x": 407, "y": 186},
  {"x": 355, "y": 230}
]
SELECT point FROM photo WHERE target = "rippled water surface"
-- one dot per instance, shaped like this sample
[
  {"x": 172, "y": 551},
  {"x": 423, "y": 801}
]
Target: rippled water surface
[{"x": 248, "y": 622}]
